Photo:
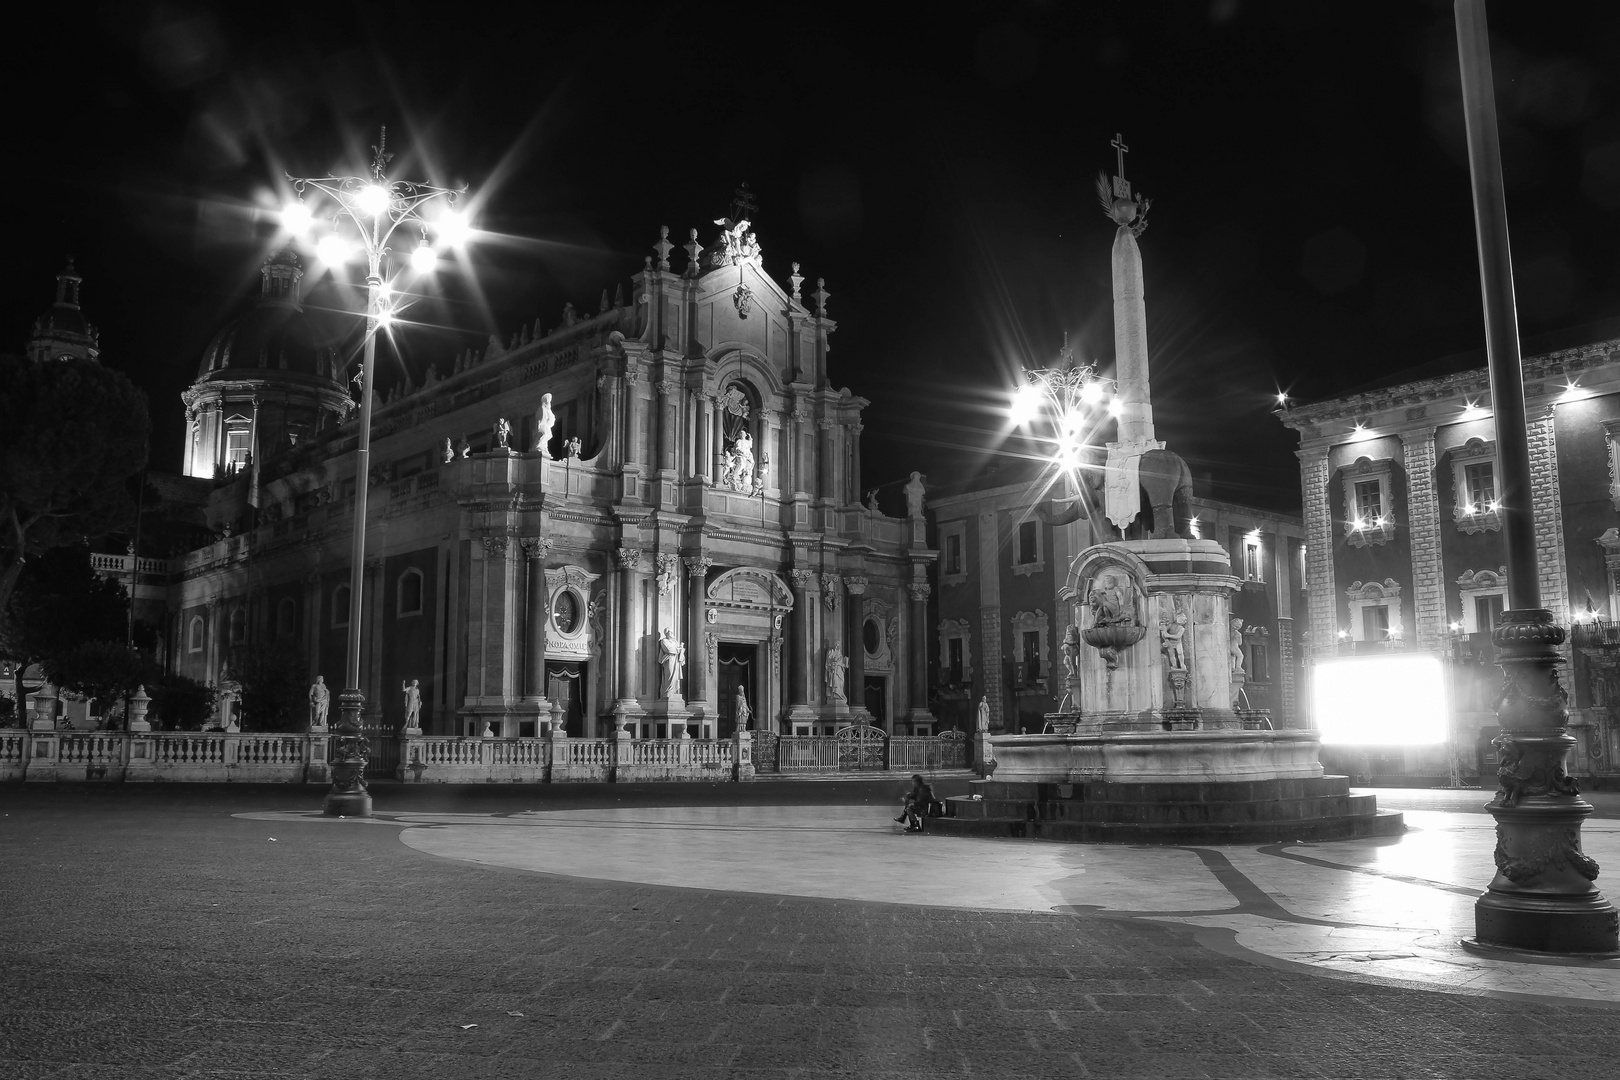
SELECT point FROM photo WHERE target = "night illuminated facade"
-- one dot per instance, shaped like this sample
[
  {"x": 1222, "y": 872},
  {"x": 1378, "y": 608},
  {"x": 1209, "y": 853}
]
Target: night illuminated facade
[
  {"x": 546, "y": 513},
  {"x": 1404, "y": 549}
]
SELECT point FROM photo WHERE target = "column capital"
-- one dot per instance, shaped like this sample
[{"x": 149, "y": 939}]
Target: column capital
[
  {"x": 697, "y": 566},
  {"x": 855, "y": 586},
  {"x": 919, "y": 591},
  {"x": 495, "y": 544},
  {"x": 537, "y": 547},
  {"x": 802, "y": 579},
  {"x": 629, "y": 557}
]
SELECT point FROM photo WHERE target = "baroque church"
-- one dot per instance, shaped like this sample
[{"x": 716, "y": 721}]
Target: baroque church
[{"x": 647, "y": 517}]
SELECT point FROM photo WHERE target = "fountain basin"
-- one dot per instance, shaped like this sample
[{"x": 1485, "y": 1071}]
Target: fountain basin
[{"x": 1156, "y": 757}]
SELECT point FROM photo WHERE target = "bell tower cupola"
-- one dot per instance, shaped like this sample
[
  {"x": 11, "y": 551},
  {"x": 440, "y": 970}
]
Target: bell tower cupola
[{"x": 63, "y": 333}]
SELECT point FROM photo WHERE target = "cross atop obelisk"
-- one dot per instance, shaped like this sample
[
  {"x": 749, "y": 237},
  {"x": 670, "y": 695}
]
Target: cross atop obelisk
[{"x": 1122, "y": 186}]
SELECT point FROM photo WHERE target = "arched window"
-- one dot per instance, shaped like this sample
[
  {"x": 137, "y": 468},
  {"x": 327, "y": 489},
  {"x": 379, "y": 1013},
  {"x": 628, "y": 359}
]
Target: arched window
[
  {"x": 194, "y": 634},
  {"x": 340, "y": 606},
  {"x": 409, "y": 593},
  {"x": 238, "y": 624},
  {"x": 286, "y": 617}
]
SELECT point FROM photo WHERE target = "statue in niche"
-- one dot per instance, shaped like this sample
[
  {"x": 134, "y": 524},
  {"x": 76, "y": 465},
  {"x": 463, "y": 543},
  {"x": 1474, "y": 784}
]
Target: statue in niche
[
  {"x": 448, "y": 453},
  {"x": 503, "y": 433},
  {"x": 413, "y": 705},
  {"x": 574, "y": 447},
  {"x": 837, "y": 668},
  {"x": 762, "y": 475},
  {"x": 544, "y": 421},
  {"x": 738, "y": 474},
  {"x": 320, "y": 700},
  {"x": 743, "y": 714},
  {"x": 1237, "y": 646},
  {"x": 466, "y": 447},
  {"x": 1118, "y": 619},
  {"x": 914, "y": 495},
  {"x": 230, "y": 697},
  {"x": 671, "y": 658},
  {"x": 1171, "y": 633},
  {"x": 1110, "y": 601},
  {"x": 871, "y": 501},
  {"x": 982, "y": 723}
]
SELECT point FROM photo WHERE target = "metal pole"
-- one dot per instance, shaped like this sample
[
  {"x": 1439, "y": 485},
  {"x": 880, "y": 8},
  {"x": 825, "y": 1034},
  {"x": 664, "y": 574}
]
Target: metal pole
[
  {"x": 351, "y": 753},
  {"x": 1543, "y": 899}
]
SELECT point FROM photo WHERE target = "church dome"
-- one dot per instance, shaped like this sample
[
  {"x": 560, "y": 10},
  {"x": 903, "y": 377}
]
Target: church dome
[
  {"x": 63, "y": 331},
  {"x": 274, "y": 335}
]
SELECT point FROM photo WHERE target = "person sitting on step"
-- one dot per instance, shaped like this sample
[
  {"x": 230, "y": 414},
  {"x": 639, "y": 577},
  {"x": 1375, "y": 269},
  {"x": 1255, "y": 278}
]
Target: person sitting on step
[{"x": 917, "y": 805}]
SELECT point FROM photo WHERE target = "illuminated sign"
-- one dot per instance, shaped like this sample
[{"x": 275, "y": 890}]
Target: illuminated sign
[{"x": 1394, "y": 700}]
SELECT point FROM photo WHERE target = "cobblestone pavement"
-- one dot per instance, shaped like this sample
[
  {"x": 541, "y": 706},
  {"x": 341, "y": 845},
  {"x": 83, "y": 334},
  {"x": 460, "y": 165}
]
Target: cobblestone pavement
[{"x": 153, "y": 933}]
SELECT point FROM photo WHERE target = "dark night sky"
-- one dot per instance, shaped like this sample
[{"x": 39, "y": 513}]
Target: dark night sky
[{"x": 1311, "y": 227}]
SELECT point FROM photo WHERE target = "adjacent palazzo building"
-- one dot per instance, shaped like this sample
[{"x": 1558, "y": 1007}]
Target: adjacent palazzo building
[
  {"x": 647, "y": 515},
  {"x": 1404, "y": 549}
]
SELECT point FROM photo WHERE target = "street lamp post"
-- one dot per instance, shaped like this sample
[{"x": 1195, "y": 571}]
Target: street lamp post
[
  {"x": 1544, "y": 897},
  {"x": 1070, "y": 402},
  {"x": 374, "y": 207}
]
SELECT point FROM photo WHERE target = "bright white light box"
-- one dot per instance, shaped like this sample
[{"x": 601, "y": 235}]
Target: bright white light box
[{"x": 1394, "y": 700}]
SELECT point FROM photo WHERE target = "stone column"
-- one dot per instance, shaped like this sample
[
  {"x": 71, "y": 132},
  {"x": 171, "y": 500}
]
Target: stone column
[
  {"x": 219, "y": 437},
  {"x": 212, "y": 658},
  {"x": 800, "y": 658},
  {"x": 669, "y": 393},
  {"x": 1423, "y": 521},
  {"x": 855, "y": 462},
  {"x": 917, "y": 653},
  {"x": 1323, "y": 602},
  {"x": 1546, "y": 507},
  {"x": 697, "y": 684},
  {"x": 988, "y": 549},
  {"x": 636, "y": 453},
  {"x": 855, "y": 647},
  {"x": 537, "y": 614},
  {"x": 374, "y": 642},
  {"x": 627, "y": 704}
]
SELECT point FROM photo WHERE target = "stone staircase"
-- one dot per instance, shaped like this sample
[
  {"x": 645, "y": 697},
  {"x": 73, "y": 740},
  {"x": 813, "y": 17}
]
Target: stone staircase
[{"x": 1244, "y": 812}]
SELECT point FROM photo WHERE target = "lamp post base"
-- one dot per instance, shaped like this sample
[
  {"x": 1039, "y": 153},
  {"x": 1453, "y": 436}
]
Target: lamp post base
[
  {"x": 1544, "y": 898},
  {"x": 350, "y": 754}
]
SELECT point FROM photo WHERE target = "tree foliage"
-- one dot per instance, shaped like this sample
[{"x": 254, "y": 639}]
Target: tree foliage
[
  {"x": 104, "y": 670},
  {"x": 275, "y": 691},
  {"x": 180, "y": 703},
  {"x": 60, "y": 603},
  {"x": 72, "y": 432}
]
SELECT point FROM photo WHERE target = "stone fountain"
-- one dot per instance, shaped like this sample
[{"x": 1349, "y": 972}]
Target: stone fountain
[{"x": 1154, "y": 741}]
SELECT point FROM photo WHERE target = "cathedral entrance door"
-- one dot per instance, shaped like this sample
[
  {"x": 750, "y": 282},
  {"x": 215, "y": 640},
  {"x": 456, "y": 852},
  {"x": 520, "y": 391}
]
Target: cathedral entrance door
[
  {"x": 873, "y": 697},
  {"x": 736, "y": 664},
  {"x": 565, "y": 686}
]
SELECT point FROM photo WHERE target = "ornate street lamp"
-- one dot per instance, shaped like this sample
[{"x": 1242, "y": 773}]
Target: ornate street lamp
[
  {"x": 362, "y": 214},
  {"x": 1063, "y": 407},
  {"x": 1544, "y": 897}
]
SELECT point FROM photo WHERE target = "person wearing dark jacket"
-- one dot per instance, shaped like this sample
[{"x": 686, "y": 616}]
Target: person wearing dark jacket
[{"x": 918, "y": 803}]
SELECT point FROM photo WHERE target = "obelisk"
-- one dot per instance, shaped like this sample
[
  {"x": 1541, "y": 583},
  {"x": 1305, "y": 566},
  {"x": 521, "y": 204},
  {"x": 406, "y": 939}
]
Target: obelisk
[{"x": 1135, "y": 419}]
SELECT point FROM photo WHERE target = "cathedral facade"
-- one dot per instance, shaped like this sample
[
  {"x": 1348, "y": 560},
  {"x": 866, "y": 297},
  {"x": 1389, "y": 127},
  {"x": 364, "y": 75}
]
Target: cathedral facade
[{"x": 646, "y": 517}]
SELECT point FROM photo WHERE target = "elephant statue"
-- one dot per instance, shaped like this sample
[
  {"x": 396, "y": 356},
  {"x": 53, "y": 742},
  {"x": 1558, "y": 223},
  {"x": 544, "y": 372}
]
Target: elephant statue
[
  {"x": 1167, "y": 482},
  {"x": 1089, "y": 506}
]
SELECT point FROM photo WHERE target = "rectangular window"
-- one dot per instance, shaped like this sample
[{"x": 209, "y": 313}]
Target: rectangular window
[
  {"x": 1369, "y": 501},
  {"x": 1375, "y": 623},
  {"x": 1026, "y": 542},
  {"x": 1251, "y": 562},
  {"x": 953, "y": 553},
  {"x": 236, "y": 447},
  {"x": 1481, "y": 483},
  {"x": 1487, "y": 613},
  {"x": 954, "y": 658},
  {"x": 1032, "y": 654}
]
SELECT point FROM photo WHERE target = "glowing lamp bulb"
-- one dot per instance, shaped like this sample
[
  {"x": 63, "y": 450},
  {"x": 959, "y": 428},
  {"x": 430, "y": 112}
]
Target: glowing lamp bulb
[
  {"x": 332, "y": 250},
  {"x": 423, "y": 259},
  {"x": 385, "y": 319},
  {"x": 1025, "y": 403},
  {"x": 1116, "y": 407},
  {"x": 372, "y": 199},
  {"x": 452, "y": 228},
  {"x": 1092, "y": 392},
  {"x": 296, "y": 218}
]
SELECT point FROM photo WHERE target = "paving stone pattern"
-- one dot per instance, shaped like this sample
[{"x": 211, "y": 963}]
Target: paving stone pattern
[{"x": 150, "y": 934}]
